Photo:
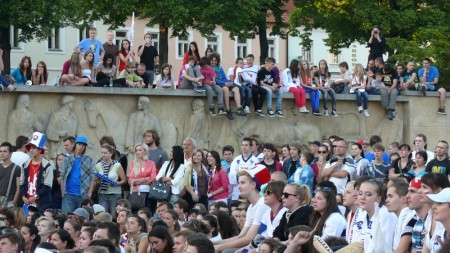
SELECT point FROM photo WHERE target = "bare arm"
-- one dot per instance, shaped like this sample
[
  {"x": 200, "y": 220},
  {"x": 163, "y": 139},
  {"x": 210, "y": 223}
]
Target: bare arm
[
  {"x": 403, "y": 247},
  {"x": 339, "y": 174},
  {"x": 240, "y": 242},
  {"x": 122, "y": 177},
  {"x": 17, "y": 194},
  {"x": 141, "y": 50}
]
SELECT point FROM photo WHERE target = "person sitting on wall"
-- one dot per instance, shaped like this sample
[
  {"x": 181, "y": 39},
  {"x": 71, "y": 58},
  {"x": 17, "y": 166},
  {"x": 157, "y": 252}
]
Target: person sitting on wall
[{"x": 429, "y": 79}]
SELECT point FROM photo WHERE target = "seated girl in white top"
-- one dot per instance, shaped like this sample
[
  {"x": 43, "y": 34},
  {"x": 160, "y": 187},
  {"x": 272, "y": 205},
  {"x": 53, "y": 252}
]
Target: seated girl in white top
[
  {"x": 375, "y": 229},
  {"x": 164, "y": 80},
  {"x": 357, "y": 86},
  {"x": 326, "y": 220}
]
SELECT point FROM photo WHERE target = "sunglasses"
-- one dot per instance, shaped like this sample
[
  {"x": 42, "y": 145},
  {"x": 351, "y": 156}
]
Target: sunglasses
[
  {"x": 2, "y": 219},
  {"x": 321, "y": 152},
  {"x": 286, "y": 195},
  {"x": 324, "y": 189},
  {"x": 268, "y": 191}
]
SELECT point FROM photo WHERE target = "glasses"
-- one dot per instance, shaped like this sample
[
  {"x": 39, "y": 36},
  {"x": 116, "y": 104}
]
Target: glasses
[
  {"x": 268, "y": 192},
  {"x": 286, "y": 195},
  {"x": 321, "y": 152},
  {"x": 2, "y": 218},
  {"x": 324, "y": 189}
]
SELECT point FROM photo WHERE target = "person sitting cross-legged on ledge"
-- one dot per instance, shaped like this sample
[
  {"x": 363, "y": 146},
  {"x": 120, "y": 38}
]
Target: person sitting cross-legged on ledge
[
  {"x": 429, "y": 79},
  {"x": 408, "y": 78}
]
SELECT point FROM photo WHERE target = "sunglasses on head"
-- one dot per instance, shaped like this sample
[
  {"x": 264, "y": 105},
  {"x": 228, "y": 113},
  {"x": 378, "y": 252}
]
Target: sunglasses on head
[{"x": 324, "y": 189}]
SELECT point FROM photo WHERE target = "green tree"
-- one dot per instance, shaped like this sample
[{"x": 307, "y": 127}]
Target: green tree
[
  {"x": 34, "y": 19},
  {"x": 413, "y": 29}
]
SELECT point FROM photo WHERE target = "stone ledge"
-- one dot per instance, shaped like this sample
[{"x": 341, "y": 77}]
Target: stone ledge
[{"x": 182, "y": 93}]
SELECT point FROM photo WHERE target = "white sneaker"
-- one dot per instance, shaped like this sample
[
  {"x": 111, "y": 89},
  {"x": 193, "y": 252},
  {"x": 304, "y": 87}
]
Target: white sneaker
[
  {"x": 325, "y": 113},
  {"x": 303, "y": 110},
  {"x": 366, "y": 113},
  {"x": 247, "y": 110},
  {"x": 360, "y": 109}
]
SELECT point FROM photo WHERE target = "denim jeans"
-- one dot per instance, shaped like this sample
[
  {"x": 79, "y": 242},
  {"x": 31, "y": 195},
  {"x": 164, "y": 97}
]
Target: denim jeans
[
  {"x": 269, "y": 98},
  {"x": 327, "y": 93},
  {"x": 246, "y": 95},
  {"x": 151, "y": 76},
  {"x": 314, "y": 95},
  {"x": 108, "y": 201},
  {"x": 210, "y": 91},
  {"x": 364, "y": 96},
  {"x": 71, "y": 202}
]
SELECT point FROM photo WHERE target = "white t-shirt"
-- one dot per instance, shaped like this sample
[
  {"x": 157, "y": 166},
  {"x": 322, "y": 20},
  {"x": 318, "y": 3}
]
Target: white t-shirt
[
  {"x": 433, "y": 244},
  {"x": 19, "y": 158},
  {"x": 164, "y": 82},
  {"x": 255, "y": 213},
  {"x": 348, "y": 166},
  {"x": 403, "y": 219},
  {"x": 334, "y": 225},
  {"x": 356, "y": 82},
  {"x": 267, "y": 225},
  {"x": 239, "y": 163}
]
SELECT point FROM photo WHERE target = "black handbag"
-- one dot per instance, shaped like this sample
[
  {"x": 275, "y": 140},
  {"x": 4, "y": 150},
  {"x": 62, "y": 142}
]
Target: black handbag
[
  {"x": 137, "y": 199},
  {"x": 159, "y": 191}
]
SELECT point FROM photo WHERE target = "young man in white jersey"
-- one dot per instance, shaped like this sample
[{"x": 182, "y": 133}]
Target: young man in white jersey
[
  {"x": 250, "y": 182},
  {"x": 244, "y": 161},
  {"x": 397, "y": 203}
]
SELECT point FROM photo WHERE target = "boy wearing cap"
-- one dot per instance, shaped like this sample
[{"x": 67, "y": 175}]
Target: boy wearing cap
[
  {"x": 249, "y": 184},
  {"x": 36, "y": 178},
  {"x": 77, "y": 176},
  {"x": 421, "y": 209}
]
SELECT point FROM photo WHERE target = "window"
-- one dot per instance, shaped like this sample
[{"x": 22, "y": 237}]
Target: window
[
  {"x": 182, "y": 45},
  {"x": 83, "y": 33},
  {"x": 243, "y": 47},
  {"x": 16, "y": 45},
  {"x": 121, "y": 35},
  {"x": 271, "y": 43},
  {"x": 334, "y": 58},
  {"x": 54, "y": 41},
  {"x": 306, "y": 54},
  {"x": 212, "y": 41}
]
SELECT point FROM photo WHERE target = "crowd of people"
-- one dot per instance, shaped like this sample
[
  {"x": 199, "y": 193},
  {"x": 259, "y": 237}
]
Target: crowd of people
[
  {"x": 97, "y": 64},
  {"x": 330, "y": 194}
]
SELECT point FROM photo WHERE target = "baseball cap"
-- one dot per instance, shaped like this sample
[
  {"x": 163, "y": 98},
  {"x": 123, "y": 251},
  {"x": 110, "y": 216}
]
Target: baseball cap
[
  {"x": 415, "y": 183},
  {"x": 317, "y": 143},
  {"x": 98, "y": 208},
  {"x": 38, "y": 140},
  {"x": 442, "y": 197},
  {"x": 82, "y": 139},
  {"x": 81, "y": 212}
]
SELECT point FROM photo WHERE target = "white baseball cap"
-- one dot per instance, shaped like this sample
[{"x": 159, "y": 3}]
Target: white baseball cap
[{"x": 442, "y": 197}]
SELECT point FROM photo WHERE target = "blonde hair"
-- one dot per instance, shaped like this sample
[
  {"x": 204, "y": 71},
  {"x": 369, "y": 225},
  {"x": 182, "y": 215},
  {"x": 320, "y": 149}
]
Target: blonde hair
[
  {"x": 51, "y": 223},
  {"x": 137, "y": 161},
  {"x": 303, "y": 192},
  {"x": 358, "y": 72}
]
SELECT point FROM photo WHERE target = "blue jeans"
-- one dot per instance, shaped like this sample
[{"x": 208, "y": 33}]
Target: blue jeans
[
  {"x": 314, "y": 95},
  {"x": 71, "y": 202},
  {"x": 269, "y": 98},
  {"x": 246, "y": 95},
  {"x": 151, "y": 76},
  {"x": 362, "y": 94},
  {"x": 108, "y": 201},
  {"x": 327, "y": 93}
]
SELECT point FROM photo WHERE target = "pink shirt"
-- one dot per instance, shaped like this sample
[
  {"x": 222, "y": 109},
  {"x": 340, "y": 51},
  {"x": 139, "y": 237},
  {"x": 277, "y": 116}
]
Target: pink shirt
[
  {"x": 219, "y": 180},
  {"x": 148, "y": 169},
  {"x": 208, "y": 73}
]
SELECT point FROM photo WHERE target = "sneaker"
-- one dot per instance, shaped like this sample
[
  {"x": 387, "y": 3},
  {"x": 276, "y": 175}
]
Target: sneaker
[
  {"x": 229, "y": 115},
  {"x": 303, "y": 110},
  {"x": 360, "y": 109},
  {"x": 212, "y": 111},
  {"x": 271, "y": 113},
  {"x": 317, "y": 113},
  {"x": 442, "y": 110},
  {"x": 279, "y": 113},
  {"x": 260, "y": 113},
  {"x": 391, "y": 115},
  {"x": 246, "y": 110},
  {"x": 221, "y": 111},
  {"x": 334, "y": 113},
  {"x": 199, "y": 89},
  {"x": 325, "y": 113},
  {"x": 366, "y": 113},
  {"x": 240, "y": 112},
  {"x": 423, "y": 89}
]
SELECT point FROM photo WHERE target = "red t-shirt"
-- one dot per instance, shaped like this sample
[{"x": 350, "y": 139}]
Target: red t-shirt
[
  {"x": 122, "y": 64},
  {"x": 32, "y": 179},
  {"x": 208, "y": 73}
]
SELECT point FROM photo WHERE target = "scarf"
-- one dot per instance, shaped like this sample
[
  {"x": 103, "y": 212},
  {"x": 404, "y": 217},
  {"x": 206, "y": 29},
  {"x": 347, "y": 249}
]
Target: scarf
[{"x": 106, "y": 167}]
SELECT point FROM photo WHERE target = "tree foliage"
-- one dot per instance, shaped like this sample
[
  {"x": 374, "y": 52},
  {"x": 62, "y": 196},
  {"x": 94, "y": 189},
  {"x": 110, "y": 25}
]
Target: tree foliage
[{"x": 413, "y": 28}]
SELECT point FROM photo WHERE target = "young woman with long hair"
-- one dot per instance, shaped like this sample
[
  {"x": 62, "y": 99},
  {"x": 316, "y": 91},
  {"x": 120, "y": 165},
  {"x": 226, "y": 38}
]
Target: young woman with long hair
[
  {"x": 40, "y": 74},
  {"x": 358, "y": 157},
  {"x": 142, "y": 172},
  {"x": 160, "y": 240},
  {"x": 290, "y": 81},
  {"x": 86, "y": 237},
  {"x": 306, "y": 81},
  {"x": 172, "y": 172},
  {"x": 22, "y": 74},
  {"x": 137, "y": 235},
  {"x": 326, "y": 219},
  {"x": 404, "y": 164},
  {"x": 192, "y": 51},
  {"x": 218, "y": 183},
  {"x": 297, "y": 199},
  {"x": 357, "y": 85},
  {"x": 164, "y": 79},
  {"x": 322, "y": 80},
  {"x": 109, "y": 194},
  {"x": 196, "y": 180},
  {"x": 30, "y": 236},
  {"x": 125, "y": 54},
  {"x": 106, "y": 71},
  {"x": 170, "y": 217},
  {"x": 87, "y": 67},
  {"x": 62, "y": 240}
]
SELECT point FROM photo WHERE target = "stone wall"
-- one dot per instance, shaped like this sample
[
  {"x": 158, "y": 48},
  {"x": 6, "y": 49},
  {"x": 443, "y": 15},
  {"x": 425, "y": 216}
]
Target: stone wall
[{"x": 95, "y": 112}]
